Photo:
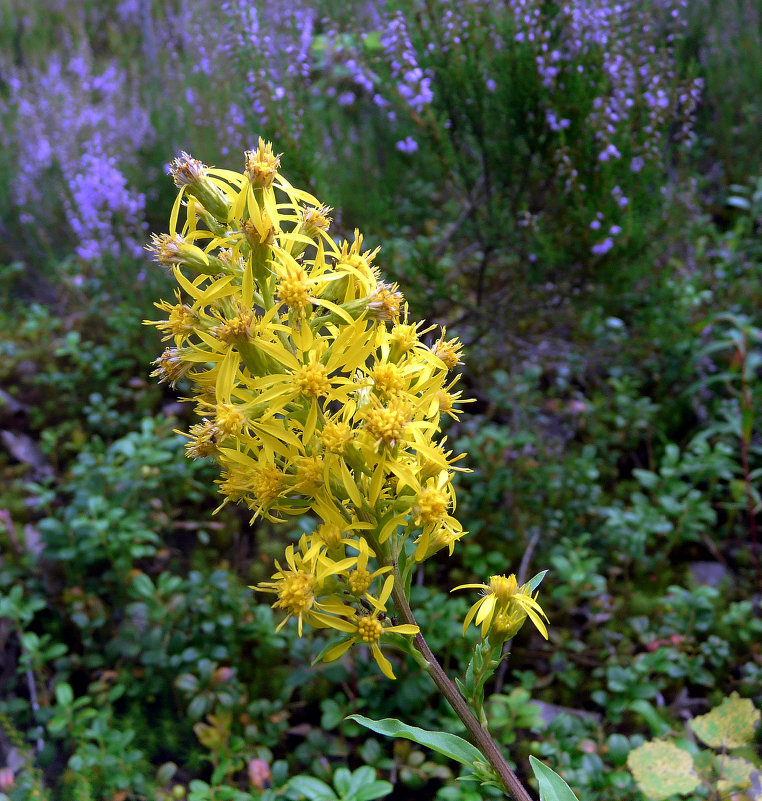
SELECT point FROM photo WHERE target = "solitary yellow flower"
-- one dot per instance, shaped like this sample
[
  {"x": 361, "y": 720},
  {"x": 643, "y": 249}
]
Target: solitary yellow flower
[{"x": 503, "y": 607}]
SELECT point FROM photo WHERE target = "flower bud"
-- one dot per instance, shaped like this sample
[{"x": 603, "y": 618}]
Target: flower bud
[
  {"x": 174, "y": 250},
  {"x": 262, "y": 165},
  {"x": 191, "y": 173},
  {"x": 259, "y": 774}
]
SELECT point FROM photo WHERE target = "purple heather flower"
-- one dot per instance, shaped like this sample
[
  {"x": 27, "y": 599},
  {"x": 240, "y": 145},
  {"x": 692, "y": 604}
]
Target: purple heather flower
[
  {"x": 603, "y": 247},
  {"x": 610, "y": 151},
  {"x": 407, "y": 145},
  {"x": 413, "y": 84}
]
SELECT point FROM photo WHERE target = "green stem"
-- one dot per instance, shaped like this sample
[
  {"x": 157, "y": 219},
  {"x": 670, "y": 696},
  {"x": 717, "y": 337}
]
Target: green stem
[{"x": 479, "y": 734}]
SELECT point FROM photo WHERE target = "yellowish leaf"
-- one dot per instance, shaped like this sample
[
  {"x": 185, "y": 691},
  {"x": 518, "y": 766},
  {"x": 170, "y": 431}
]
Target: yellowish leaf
[
  {"x": 729, "y": 725},
  {"x": 735, "y": 773},
  {"x": 661, "y": 769}
]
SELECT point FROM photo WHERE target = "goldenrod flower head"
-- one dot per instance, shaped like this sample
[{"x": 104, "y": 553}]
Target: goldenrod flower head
[
  {"x": 448, "y": 351},
  {"x": 361, "y": 578},
  {"x": 350, "y": 256},
  {"x": 299, "y": 586},
  {"x": 236, "y": 484},
  {"x": 192, "y": 175},
  {"x": 186, "y": 170},
  {"x": 294, "y": 289},
  {"x": 295, "y": 592},
  {"x": 504, "y": 601},
  {"x": 361, "y": 276},
  {"x": 369, "y": 630},
  {"x": 386, "y": 424},
  {"x": 229, "y": 419},
  {"x": 175, "y": 250},
  {"x": 203, "y": 439},
  {"x": 170, "y": 366},
  {"x": 295, "y": 589},
  {"x": 166, "y": 248},
  {"x": 329, "y": 534},
  {"x": 232, "y": 264},
  {"x": 432, "y": 505},
  {"x": 385, "y": 302},
  {"x": 262, "y": 164},
  {"x": 267, "y": 483},
  {"x": 240, "y": 328},
  {"x": 503, "y": 587},
  {"x": 404, "y": 336},
  {"x": 312, "y": 380},
  {"x": 387, "y": 378},
  {"x": 182, "y": 319},
  {"x": 309, "y": 474},
  {"x": 446, "y": 403},
  {"x": 335, "y": 436},
  {"x": 314, "y": 220},
  {"x": 259, "y": 233},
  {"x": 433, "y": 540}
]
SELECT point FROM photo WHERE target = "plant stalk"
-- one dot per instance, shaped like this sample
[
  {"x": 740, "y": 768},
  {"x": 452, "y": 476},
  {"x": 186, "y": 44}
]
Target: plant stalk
[{"x": 480, "y": 735}]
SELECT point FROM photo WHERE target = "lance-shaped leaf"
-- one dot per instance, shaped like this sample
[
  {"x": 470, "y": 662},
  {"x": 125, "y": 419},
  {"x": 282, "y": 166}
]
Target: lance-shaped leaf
[
  {"x": 450, "y": 745},
  {"x": 552, "y": 786}
]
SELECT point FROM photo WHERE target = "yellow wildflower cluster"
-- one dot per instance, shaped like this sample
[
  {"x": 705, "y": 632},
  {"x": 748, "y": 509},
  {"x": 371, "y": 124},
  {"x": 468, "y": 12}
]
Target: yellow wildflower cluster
[{"x": 316, "y": 395}]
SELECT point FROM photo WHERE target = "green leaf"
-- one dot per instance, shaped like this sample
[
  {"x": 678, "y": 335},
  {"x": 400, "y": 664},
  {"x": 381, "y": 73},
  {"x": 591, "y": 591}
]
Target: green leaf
[
  {"x": 552, "y": 786},
  {"x": 57, "y": 724},
  {"x": 535, "y": 581},
  {"x": 450, "y": 745},
  {"x": 747, "y": 423},
  {"x": 656, "y": 722},
  {"x": 332, "y": 715},
  {"x": 729, "y": 725},
  {"x": 143, "y": 585},
  {"x": 310, "y": 788},
  {"x": 376, "y": 789},
  {"x": 64, "y": 694},
  {"x": 342, "y": 781},
  {"x": 661, "y": 769}
]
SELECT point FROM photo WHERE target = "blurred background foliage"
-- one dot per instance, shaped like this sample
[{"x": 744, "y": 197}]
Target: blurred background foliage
[{"x": 574, "y": 190}]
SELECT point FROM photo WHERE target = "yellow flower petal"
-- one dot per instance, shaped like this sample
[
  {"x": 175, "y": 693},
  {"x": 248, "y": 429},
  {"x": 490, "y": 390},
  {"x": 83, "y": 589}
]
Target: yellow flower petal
[
  {"x": 382, "y": 661},
  {"x": 337, "y": 651}
]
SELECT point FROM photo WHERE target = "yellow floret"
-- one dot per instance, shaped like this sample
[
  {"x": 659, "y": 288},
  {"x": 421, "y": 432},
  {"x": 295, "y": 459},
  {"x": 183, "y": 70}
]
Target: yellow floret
[
  {"x": 229, "y": 419},
  {"x": 387, "y": 378},
  {"x": 335, "y": 436},
  {"x": 432, "y": 505},
  {"x": 312, "y": 380},
  {"x": 386, "y": 424},
  {"x": 369, "y": 629},
  {"x": 294, "y": 290}
]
